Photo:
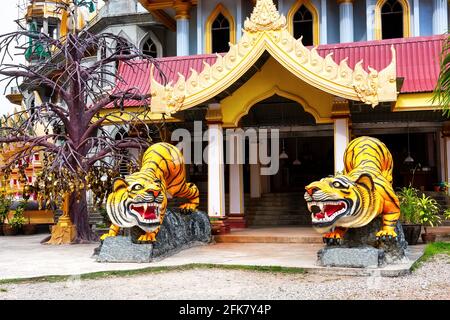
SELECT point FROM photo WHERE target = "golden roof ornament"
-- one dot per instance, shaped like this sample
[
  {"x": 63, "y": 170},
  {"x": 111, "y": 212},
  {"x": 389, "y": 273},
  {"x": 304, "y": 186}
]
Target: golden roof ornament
[{"x": 265, "y": 17}]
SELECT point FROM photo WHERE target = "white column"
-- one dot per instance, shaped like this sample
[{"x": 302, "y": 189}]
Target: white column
[
  {"x": 183, "y": 36},
  {"x": 216, "y": 182},
  {"x": 323, "y": 22},
  {"x": 346, "y": 20},
  {"x": 370, "y": 19},
  {"x": 447, "y": 160},
  {"x": 199, "y": 27},
  {"x": 440, "y": 19},
  {"x": 238, "y": 20},
  {"x": 341, "y": 140},
  {"x": 416, "y": 18},
  {"x": 441, "y": 156},
  {"x": 236, "y": 189}
]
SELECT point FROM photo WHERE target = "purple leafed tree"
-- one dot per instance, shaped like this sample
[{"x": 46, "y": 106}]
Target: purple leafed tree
[{"x": 72, "y": 126}]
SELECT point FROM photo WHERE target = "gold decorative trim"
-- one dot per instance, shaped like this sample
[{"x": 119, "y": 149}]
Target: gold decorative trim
[
  {"x": 406, "y": 18},
  {"x": 322, "y": 73},
  {"x": 265, "y": 17},
  {"x": 315, "y": 14},
  {"x": 220, "y": 9}
]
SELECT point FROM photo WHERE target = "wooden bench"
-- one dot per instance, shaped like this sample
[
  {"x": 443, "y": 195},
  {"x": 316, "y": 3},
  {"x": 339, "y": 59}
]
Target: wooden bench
[{"x": 36, "y": 216}]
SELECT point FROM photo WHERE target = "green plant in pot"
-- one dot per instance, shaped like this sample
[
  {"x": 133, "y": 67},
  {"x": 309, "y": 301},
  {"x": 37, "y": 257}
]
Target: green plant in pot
[
  {"x": 410, "y": 218},
  {"x": 428, "y": 210},
  {"x": 5, "y": 204},
  {"x": 18, "y": 219}
]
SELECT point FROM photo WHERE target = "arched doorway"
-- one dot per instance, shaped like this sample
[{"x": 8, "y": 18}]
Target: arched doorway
[{"x": 306, "y": 154}]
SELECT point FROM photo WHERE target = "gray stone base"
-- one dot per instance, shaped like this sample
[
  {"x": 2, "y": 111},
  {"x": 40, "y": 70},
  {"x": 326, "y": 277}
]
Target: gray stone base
[
  {"x": 363, "y": 257},
  {"x": 361, "y": 249},
  {"x": 179, "y": 231}
]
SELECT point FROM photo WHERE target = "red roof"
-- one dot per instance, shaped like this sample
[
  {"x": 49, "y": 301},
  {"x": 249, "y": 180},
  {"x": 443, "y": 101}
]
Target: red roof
[{"x": 417, "y": 62}]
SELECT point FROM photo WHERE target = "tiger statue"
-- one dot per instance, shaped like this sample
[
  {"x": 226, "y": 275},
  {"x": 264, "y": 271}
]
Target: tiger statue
[
  {"x": 355, "y": 198},
  {"x": 141, "y": 198}
]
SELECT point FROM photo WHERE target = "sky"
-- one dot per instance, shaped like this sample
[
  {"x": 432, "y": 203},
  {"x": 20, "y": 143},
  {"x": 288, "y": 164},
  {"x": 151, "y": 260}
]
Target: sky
[{"x": 8, "y": 14}]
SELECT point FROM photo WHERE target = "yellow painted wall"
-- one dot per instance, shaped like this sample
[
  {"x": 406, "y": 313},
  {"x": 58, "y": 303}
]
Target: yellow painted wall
[{"x": 275, "y": 79}]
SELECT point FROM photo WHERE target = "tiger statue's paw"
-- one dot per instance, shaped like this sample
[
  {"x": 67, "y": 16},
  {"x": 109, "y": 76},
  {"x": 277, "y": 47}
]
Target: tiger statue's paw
[
  {"x": 386, "y": 234},
  {"x": 188, "y": 207},
  {"x": 333, "y": 238},
  {"x": 146, "y": 238},
  {"x": 107, "y": 235}
]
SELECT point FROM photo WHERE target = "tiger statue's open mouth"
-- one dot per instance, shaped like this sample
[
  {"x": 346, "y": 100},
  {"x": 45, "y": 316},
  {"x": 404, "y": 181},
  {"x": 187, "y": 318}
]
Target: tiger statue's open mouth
[
  {"x": 325, "y": 213},
  {"x": 146, "y": 213}
]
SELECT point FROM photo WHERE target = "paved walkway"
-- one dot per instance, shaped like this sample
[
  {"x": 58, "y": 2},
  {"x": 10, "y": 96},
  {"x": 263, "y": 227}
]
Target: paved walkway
[{"x": 25, "y": 257}]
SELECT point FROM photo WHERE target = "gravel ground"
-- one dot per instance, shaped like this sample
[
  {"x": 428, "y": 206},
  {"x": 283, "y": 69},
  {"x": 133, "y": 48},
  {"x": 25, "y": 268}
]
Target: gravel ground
[{"x": 431, "y": 281}]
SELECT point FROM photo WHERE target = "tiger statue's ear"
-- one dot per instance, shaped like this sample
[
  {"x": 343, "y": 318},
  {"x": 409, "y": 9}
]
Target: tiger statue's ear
[
  {"x": 118, "y": 184},
  {"x": 366, "y": 181}
]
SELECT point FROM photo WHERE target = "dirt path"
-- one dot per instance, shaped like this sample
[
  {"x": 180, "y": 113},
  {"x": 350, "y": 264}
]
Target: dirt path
[{"x": 431, "y": 281}]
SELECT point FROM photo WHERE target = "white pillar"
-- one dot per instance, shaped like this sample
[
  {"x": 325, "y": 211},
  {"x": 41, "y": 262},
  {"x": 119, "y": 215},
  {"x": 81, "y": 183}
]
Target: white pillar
[
  {"x": 216, "y": 182},
  {"x": 183, "y": 36},
  {"x": 346, "y": 20},
  {"x": 341, "y": 140},
  {"x": 370, "y": 19},
  {"x": 236, "y": 175},
  {"x": 440, "y": 19},
  {"x": 236, "y": 189},
  {"x": 323, "y": 22},
  {"x": 416, "y": 18}
]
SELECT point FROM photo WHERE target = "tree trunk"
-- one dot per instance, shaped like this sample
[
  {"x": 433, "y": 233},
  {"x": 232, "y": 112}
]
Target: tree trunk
[{"x": 78, "y": 212}]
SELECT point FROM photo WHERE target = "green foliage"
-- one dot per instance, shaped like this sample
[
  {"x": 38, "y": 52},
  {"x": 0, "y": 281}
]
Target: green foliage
[
  {"x": 409, "y": 198},
  {"x": 442, "y": 90},
  {"x": 428, "y": 210},
  {"x": 18, "y": 220},
  {"x": 5, "y": 203}
]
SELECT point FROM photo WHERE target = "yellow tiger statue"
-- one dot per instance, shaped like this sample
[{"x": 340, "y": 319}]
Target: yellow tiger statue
[
  {"x": 141, "y": 198},
  {"x": 355, "y": 198}
]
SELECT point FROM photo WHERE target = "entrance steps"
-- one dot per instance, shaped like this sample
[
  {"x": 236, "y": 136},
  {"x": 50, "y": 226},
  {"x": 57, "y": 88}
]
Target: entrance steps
[
  {"x": 290, "y": 234},
  {"x": 277, "y": 209}
]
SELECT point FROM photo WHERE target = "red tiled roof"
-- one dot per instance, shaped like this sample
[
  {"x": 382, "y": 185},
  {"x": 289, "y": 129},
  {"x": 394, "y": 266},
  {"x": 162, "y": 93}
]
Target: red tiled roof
[{"x": 417, "y": 62}]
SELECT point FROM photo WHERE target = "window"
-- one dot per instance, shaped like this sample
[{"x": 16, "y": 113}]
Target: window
[
  {"x": 220, "y": 30},
  {"x": 303, "y": 25},
  {"x": 149, "y": 48},
  {"x": 303, "y": 21},
  {"x": 220, "y": 34},
  {"x": 391, "y": 20}
]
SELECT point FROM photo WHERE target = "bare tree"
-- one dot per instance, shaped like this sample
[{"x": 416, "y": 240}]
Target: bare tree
[{"x": 80, "y": 152}]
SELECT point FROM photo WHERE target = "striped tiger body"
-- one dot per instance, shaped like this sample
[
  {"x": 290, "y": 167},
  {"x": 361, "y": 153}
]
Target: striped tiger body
[
  {"x": 355, "y": 198},
  {"x": 141, "y": 198}
]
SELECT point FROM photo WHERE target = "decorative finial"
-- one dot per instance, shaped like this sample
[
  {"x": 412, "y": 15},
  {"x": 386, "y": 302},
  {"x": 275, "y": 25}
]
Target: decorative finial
[{"x": 265, "y": 17}]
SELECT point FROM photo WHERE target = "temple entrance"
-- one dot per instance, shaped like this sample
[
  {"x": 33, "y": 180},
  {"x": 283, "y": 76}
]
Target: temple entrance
[{"x": 306, "y": 154}]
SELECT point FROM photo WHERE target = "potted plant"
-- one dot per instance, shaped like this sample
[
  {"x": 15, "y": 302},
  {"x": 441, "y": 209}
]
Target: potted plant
[
  {"x": 411, "y": 223},
  {"x": 5, "y": 204},
  {"x": 428, "y": 210},
  {"x": 17, "y": 221}
]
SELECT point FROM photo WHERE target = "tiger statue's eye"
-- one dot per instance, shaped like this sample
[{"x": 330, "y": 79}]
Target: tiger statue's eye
[
  {"x": 337, "y": 184},
  {"x": 137, "y": 187}
]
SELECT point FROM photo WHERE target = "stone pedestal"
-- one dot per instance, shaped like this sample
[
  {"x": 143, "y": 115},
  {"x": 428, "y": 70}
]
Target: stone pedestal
[
  {"x": 361, "y": 249},
  {"x": 178, "y": 232}
]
